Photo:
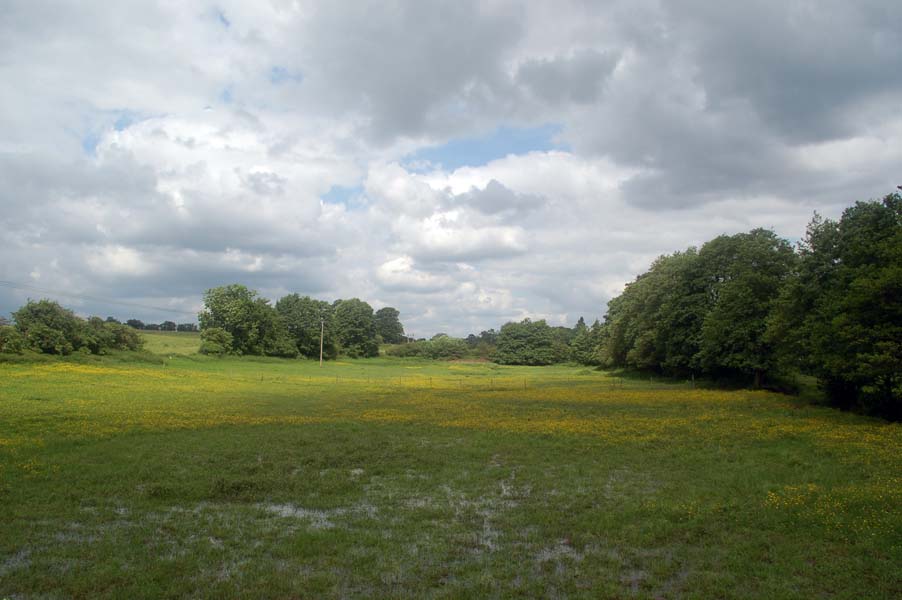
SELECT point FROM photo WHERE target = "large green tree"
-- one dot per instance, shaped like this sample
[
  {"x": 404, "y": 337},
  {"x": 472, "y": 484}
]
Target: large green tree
[
  {"x": 388, "y": 325},
  {"x": 701, "y": 311},
  {"x": 255, "y": 326},
  {"x": 585, "y": 342},
  {"x": 305, "y": 319},
  {"x": 841, "y": 317},
  {"x": 355, "y": 327},
  {"x": 656, "y": 322},
  {"x": 526, "y": 343},
  {"x": 744, "y": 274}
]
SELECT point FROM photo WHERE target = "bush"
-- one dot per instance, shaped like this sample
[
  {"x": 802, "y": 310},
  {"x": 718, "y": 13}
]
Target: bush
[
  {"x": 50, "y": 328},
  {"x": 409, "y": 350},
  {"x": 283, "y": 347},
  {"x": 44, "y": 339},
  {"x": 11, "y": 341},
  {"x": 442, "y": 347},
  {"x": 215, "y": 341},
  {"x": 95, "y": 336},
  {"x": 446, "y": 348},
  {"x": 124, "y": 337}
]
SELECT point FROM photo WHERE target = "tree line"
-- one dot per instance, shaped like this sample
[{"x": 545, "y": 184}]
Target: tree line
[
  {"x": 164, "y": 326},
  {"x": 526, "y": 342},
  {"x": 751, "y": 306},
  {"x": 236, "y": 320}
]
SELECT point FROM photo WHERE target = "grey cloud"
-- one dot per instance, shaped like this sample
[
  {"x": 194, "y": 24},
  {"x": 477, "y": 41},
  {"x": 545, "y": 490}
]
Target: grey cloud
[
  {"x": 441, "y": 240},
  {"x": 172, "y": 273},
  {"x": 411, "y": 67},
  {"x": 118, "y": 204},
  {"x": 476, "y": 251},
  {"x": 265, "y": 183},
  {"x": 404, "y": 276},
  {"x": 496, "y": 199},
  {"x": 720, "y": 106},
  {"x": 803, "y": 67},
  {"x": 579, "y": 78}
]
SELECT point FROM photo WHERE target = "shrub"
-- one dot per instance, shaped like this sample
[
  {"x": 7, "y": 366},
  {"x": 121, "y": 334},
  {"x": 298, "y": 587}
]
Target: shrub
[
  {"x": 124, "y": 337},
  {"x": 282, "y": 346},
  {"x": 409, "y": 350},
  {"x": 50, "y": 328},
  {"x": 215, "y": 341},
  {"x": 44, "y": 339},
  {"x": 446, "y": 348},
  {"x": 441, "y": 347},
  {"x": 11, "y": 341},
  {"x": 95, "y": 336}
]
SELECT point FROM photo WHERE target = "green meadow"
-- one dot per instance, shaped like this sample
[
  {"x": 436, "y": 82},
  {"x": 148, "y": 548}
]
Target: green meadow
[
  {"x": 170, "y": 474},
  {"x": 171, "y": 342}
]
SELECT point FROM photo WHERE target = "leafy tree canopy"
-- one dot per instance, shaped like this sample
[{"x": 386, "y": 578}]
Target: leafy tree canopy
[
  {"x": 305, "y": 318},
  {"x": 840, "y": 318},
  {"x": 255, "y": 326},
  {"x": 526, "y": 343},
  {"x": 388, "y": 325},
  {"x": 355, "y": 327}
]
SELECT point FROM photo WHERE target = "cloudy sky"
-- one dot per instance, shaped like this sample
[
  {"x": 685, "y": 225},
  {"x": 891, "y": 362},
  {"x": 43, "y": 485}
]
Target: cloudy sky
[{"x": 466, "y": 162}]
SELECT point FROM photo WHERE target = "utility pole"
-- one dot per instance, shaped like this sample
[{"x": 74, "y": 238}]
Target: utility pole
[{"x": 322, "y": 330}]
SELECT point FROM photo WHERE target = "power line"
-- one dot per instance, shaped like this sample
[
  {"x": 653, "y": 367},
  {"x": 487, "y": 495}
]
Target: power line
[{"x": 32, "y": 288}]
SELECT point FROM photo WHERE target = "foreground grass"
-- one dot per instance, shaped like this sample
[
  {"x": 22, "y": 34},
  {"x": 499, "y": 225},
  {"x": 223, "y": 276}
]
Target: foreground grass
[{"x": 268, "y": 478}]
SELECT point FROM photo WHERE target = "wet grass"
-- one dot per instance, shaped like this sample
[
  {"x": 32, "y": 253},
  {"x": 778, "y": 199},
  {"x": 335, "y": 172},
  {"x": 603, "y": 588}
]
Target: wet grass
[{"x": 268, "y": 478}]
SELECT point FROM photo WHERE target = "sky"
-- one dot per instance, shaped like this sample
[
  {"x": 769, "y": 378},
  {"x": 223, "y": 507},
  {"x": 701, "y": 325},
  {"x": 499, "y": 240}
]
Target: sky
[{"x": 468, "y": 163}]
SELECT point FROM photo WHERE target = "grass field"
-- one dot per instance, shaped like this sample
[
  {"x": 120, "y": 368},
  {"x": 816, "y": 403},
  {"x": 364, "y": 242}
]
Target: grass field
[
  {"x": 171, "y": 342},
  {"x": 267, "y": 478}
]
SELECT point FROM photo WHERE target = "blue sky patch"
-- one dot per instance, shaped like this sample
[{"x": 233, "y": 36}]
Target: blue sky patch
[
  {"x": 340, "y": 194},
  {"x": 478, "y": 151},
  {"x": 125, "y": 119},
  {"x": 100, "y": 122},
  {"x": 278, "y": 75},
  {"x": 90, "y": 140}
]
